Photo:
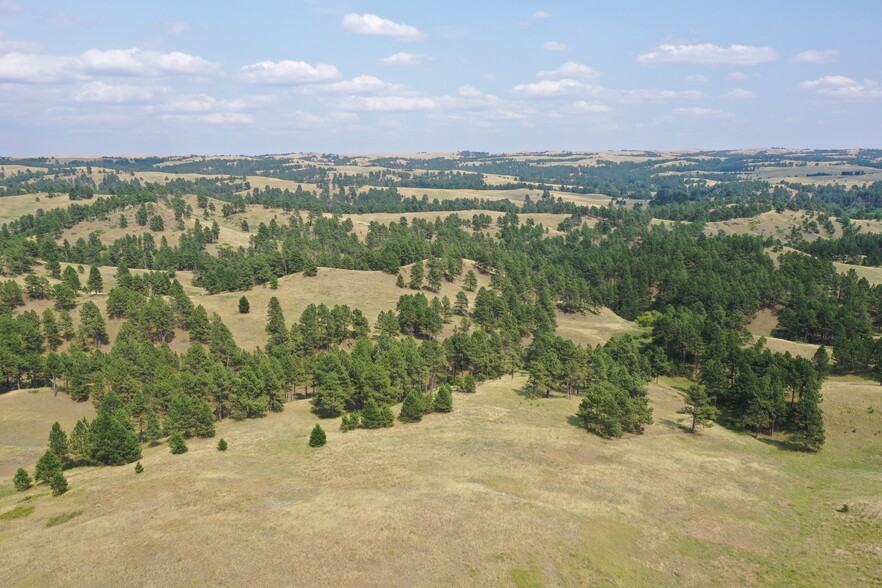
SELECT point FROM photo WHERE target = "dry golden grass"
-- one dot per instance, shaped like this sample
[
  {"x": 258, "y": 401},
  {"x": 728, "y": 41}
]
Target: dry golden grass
[
  {"x": 594, "y": 328},
  {"x": 27, "y": 416},
  {"x": 14, "y": 207},
  {"x": 501, "y": 489},
  {"x": 872, "y": 274},
  {"x": 776, "y": 225}
]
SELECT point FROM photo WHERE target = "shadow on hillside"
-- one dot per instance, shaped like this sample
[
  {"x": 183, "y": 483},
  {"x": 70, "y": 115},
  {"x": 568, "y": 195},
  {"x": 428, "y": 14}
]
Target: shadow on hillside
[{"x": 784, "y": 445}]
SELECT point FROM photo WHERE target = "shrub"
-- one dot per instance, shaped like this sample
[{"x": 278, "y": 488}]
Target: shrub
[
  {"x": 317, "y": 438},
  {"x": 176, "y": 443}
]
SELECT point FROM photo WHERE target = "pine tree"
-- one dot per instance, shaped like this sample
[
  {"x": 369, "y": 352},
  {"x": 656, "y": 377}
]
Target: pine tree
[
  {"x": 399, "y": 281},
  {"x": 412, "y": 408},
  {"x": 157, "y": 224},
  {"x": 387, "y": 418},
  {"x": 375, "y": 416},
  {"x": 469, "y": 384},
  {"x": 58, "y": 444},
  {"x": 244, "y": 306},
  {"x": 46, "y": 467},
  {"x": 434, "y": 279},
  {"x": 51, "y": 330},
  {"x": 350, "y": 421},
  {"x": 78, "y": 444},
  {"x": 123, "y": 222},
  {"x": 22, "y": 480},
  {"x": 461, "y": 306},
  {"x": 152, "y": 430},
  {"x": 222, "y": 444},
  {"x": 95, "y": 284},
  {"x": 317, "y": 438},
  {"x": 141, "y": 215},
  {"x": 275, "y": 325},
  {"x": 470, "y": 282},
  {"x": 71, "y": 278},
  {"x": 58, "y": 483},
  {"x": 700, "y": 406},
  {"x": 176, "y": 443},
  {"x": 444, "y": 399},
  {"x": 112, "y": 439},
  {"x": 139, "y": 469},
  {"x": 809, "y": 421},
  {"x": 198, "y": 323},
  {"x": 821, "y": 359},
  {"x": 416, "y": 276},
  {"x": 92, "y": 325}
]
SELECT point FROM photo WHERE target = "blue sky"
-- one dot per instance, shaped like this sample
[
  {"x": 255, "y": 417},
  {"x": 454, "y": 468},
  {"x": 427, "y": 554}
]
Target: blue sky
[{"x": 346, "y": 76}]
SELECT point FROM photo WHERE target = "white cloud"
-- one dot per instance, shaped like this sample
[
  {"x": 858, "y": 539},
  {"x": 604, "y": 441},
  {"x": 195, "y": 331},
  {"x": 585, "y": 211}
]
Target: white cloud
[
  {"x": 652, "y": 95},
  {"x": 844, "y": 88},
  {"x": 136, "y": 62},
  {"x": 698, "y": 112},
  {"x": 696, "y": 79},
  {"x": 203, "y": 103},
  {"x": 404, "y": 59},
  {"x": 740, "y": 94},
  {"x": 357, "y": 85},
  {"x": 593, "y": 107},
  {"x": 390, "y": 103},
  {"x": 288, "y": 73},
  {"x": 550, "y": 88},
  {"x": 708, "y": 54},
  {"x": 815, "y": 57},
  {"x": 16, "y": 46},
  {"x": 738, "y": 76},
  {"x": 541, "y": 15},
  {"x": 38, "y": 69},
  {"x": 305, "y": 120},
  {"x": 103, "y": 93},
  {"x": 554, "y": 46},
  {"x": 373, "y": 25},
  {"x": 177, "y": 27},
  {"x": 571, "y": 70}
]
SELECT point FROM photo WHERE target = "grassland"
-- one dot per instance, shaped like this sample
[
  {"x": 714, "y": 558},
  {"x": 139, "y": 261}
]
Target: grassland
[{"x": 501, "y": 489}]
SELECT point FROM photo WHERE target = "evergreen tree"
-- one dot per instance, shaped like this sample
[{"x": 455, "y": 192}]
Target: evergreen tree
[
  {"x": 821, "y": 359},
  {"x": 152, "y": 430},
  {"x": 461, "y": 306},
  {"x": 157, "y": 224},
  {"x": 176, "y": 443},
  {"x": 198, "y": 323},
  {"x": 434, "y": 279},
  {"x": 71, "y": 278},
  {"x": 412, "y": 408},
  {"x": 51, "y": 330},
  {"x": 470, "y": 282},
  {"x": 112, "y": 439},
  {"x": 92, "y": 325},
  {"x": 244, "y": 306},
  {"x": 399, "y": 281},
  {"x": 469, "y": 384},
  {"x": 139, "y": 469},
  {"x": 58, "y": 443},
  {"x": 123, "y": 222},
  {"x": 141, "y": 215},
  {"x": 317, "y": 438},
  {"x": 58, "y": 483},
  {"x": 22, "y": 480},
  {"x": 78, "y": 444},
  {"x": 350, "y": 421},
  {"x": 65, "y": 297},
  {"x": 416, "y": 276},
  {"x": 275, "y": 326},
  {"x": 809, "y": 420},
  {"x": 444, "y": 399},
  {"x": 95, "y": 284},
  {"x": 46, "y": 467},
  {"x": 700, "y": 406},
  {"x": 222, "y": 444},
  {"x": 374, "y": 416}
]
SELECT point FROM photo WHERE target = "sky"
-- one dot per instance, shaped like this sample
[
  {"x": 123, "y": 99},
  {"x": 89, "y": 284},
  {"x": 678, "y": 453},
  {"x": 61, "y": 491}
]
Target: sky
[{"x": 345, "y": 76}]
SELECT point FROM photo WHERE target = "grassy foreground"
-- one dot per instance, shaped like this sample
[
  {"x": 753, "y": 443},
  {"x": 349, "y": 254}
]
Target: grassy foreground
[{"x": 503, "y": 491}]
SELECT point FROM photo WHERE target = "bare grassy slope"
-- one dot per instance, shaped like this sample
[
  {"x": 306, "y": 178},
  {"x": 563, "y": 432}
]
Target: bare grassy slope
[{"x": 501, "y": 488}]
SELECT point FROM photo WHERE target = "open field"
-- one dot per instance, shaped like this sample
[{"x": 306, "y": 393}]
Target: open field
[
  {"x": 14, "y": 207},
  {"x": 530, "y": 500},
  {"x": 594, "y": 328},
  {"x": 776, "y": 225}
]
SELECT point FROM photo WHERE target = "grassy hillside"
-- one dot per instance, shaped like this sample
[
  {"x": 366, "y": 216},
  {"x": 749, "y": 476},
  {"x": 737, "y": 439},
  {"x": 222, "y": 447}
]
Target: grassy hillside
[{"x": 500, "y": 492}]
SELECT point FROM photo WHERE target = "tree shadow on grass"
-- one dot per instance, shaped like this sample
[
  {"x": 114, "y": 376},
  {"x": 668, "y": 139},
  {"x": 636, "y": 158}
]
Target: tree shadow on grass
[{"x": 785, "y": 445}]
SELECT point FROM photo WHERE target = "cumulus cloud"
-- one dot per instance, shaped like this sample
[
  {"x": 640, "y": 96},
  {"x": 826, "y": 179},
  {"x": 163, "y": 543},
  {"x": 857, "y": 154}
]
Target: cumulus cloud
[
  {"x": 844, "y": 88},
  {"x": 708, "y": 54},
  {"x": 373, "y": 25},
  {"x": 306, "y": 120},
  {"x": 550, "y": 88},
  {"x": 739, "y": 94},
  {"x": 104, "y": 93},
  {"x": 541, "y": 15},
  {"x": 554, "y": 46},
  {"x": 815, "y": 57},
  {"x": 38, "y": 69},
  {"x": 288, "y": 72},
  {"x": 390, "y": 103},
  {"x": 359, "y": 85},
  {"x": 696, "y": 79},
  {"x": 404, "y": 59},
  {"x": 571, "y": 70},
  {"x": 16, "y": 46},
  {"x": 585, "y": 106},
  {"x": 698, "y": 112},
  {"x": 136, "y": 62}
]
